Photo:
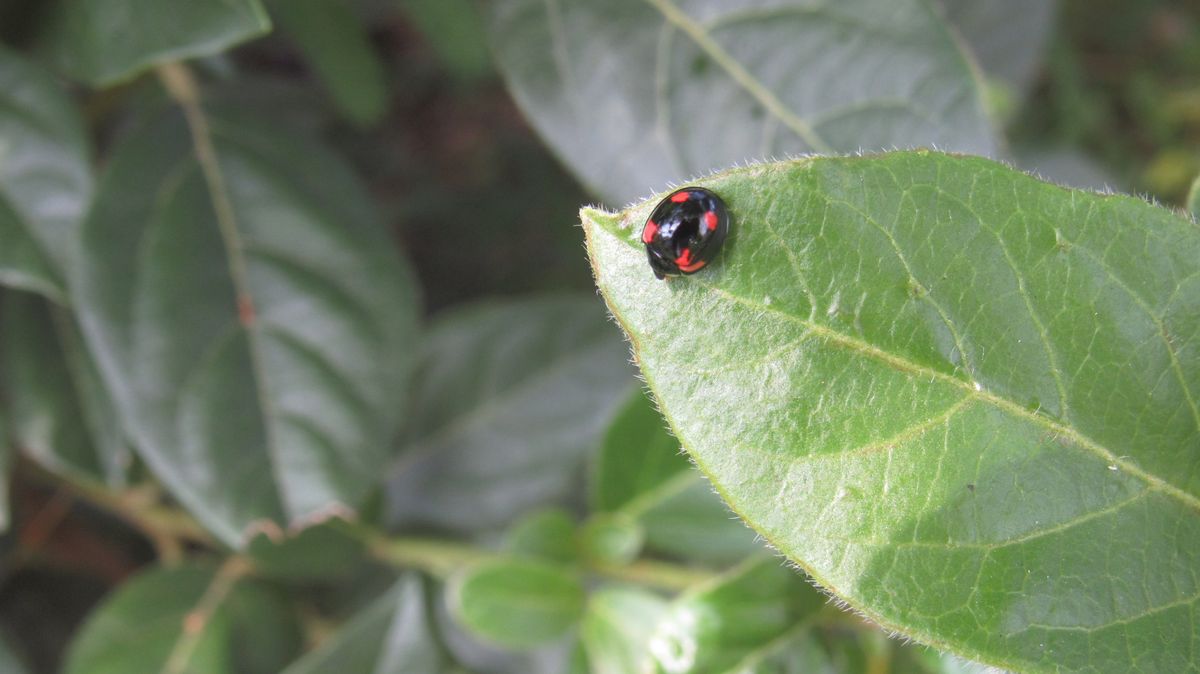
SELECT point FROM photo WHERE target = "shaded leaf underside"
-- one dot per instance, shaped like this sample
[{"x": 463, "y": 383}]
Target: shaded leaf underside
[
  {"x": 650, "y": 91},
  {"x": 963, "y": 399}
]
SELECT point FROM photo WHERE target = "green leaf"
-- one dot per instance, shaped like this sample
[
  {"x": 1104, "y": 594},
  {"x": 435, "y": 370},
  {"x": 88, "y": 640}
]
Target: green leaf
[
  {"x": 637, "y": 456},
  {"x": 45, "y": 178},
  {"x": 547, "y": 534},
  {"x": 633, "y": 94},
  {"x": 690, "y": 521},
  {"x": 1007, "y": 37},
  {"x": 640, "y": 472},
  {"x": 517, "y": 603},
  {"x": 186, "y": 619},
  {"x": 510, "y": 398},
  {"x": 104, "y": 42},
  {"x": 261, "y": 361},
  {"x": 945, "y": 389},
  {"x": 391, "y": 636},
  {"x": 329, "y": 550},
  {"x": 612, "y": 540},
  {"x": 340, "y": 53},
  {"x": 737, "y": 621},
  {"x": 454, "y": 31},
  {"x": 617, "y": 628},
  {"x": 62, "y": 416}
]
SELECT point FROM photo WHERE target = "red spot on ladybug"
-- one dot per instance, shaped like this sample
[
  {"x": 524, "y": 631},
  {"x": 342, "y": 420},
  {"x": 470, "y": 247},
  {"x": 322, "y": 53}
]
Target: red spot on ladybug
[
  {"x": 649, "y": 232},
  {"x": 685, "y": 231}
]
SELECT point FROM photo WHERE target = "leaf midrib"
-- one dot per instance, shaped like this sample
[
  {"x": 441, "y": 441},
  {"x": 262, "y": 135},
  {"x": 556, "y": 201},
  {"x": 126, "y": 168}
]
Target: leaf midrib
[
  {"x": 971, "y": 389},
  {"x": 747, "y": 81}
]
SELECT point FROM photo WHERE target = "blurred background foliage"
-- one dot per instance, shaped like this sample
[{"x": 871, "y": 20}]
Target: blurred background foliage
[{"x": 410, "y": 96}]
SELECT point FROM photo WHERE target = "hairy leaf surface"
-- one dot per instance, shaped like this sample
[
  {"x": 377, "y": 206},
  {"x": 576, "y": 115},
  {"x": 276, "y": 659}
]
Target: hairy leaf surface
[{"x": 966, "y": 401}]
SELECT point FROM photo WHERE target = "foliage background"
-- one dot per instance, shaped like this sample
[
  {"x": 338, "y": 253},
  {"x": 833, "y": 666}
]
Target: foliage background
[{"x": 483, "y": 211}]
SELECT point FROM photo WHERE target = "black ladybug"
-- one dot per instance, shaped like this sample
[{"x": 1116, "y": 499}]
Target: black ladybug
[{"x": 685, "y": 231}]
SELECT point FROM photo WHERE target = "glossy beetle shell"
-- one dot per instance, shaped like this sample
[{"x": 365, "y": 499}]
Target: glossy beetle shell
[{"x": 685, "y": 231}]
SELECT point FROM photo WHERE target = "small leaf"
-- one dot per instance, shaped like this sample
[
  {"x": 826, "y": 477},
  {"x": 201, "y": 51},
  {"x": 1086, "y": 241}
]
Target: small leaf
[
  {"x": 340, "y": 52},
  {"x": 517, "y": 603},
  {"x": 45, "y": 178},
  {"x": 612, "y": 540},
  {"x": 634, "y": 94},
  {"x": 509, "y": 399},
  {"x": 391, "y": 636},
  {"x": 735, "y": 622},
  {"x": 186, "y": 619},
  {"x": 62, "y": 416},
  {"x": 260, "y": 358},
  {"x": 103, "y": 42},
  {"x": 945, "y": 388},
  {"x": 547, "y": 534},
  {"x": 617, "y": 628}
]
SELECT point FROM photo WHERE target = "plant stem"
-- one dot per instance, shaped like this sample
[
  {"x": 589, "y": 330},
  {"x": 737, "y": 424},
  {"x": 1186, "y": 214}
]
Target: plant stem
[{"x": 442, "y": 558}]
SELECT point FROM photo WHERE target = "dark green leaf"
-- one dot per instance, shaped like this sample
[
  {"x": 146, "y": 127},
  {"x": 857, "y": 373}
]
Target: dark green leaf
[
  {"x": 455, "y": 33},
  {"x": 637, "y": 457},
  {"x": 186, "y": 619},
  {"x": 511, "y": 397},
  {"x": 326, "y": 551},
  {"x": 61, "y": 415},
  {"x": 1007, "y": 37},
  {"x": 547, "y": 534},
  {"x": 517, "y": 603},
  {"x": 270, "y": 399},
  {"x": 103, "y": 42},
  {"x": 340, "y": 53},
  {"x": 641, "y": 473},
  {"x": 737, "y": 621},
  {"x": 633, "y": 94},
  {"x": 45, "y": 179},
  {"x": 264, "y": 634},
  {"x": 617, "y": 628},
  {"x": 945, "y": 389},
  {"x": 391, "y": 636}
]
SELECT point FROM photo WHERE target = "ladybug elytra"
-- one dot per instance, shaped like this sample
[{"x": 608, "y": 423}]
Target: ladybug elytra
[{"x": 685, "y": 231}]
